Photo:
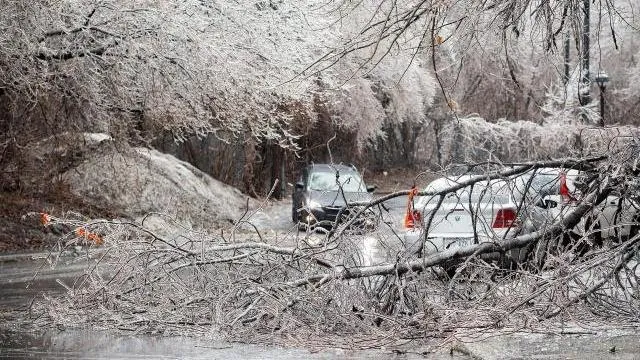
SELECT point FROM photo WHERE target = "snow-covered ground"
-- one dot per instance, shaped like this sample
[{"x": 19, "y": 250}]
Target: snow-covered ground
[{"x": 140, "y": 181}]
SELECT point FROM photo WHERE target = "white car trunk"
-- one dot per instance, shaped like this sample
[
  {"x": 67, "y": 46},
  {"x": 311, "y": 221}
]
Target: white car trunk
[
  {"x": 483, "y": 213},
  {"x": 455, "y": 219}
]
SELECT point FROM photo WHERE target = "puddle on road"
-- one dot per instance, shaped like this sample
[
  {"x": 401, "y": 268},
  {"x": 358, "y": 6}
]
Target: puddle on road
[
  {"x": 88, "y": 344},
  {"x": 79, "y": 344}
]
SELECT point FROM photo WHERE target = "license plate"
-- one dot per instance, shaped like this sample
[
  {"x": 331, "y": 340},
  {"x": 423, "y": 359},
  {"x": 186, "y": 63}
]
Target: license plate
[{"x": 457, "y": 242}]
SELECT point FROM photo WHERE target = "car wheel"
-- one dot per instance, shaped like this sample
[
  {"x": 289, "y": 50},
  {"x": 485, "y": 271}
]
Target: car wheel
[
  {"x": 532, "y": 256},
  {"x": 539, "y": 255},
  {"x": 294, "y": 214},
  {"x": 450, "y": 268}
]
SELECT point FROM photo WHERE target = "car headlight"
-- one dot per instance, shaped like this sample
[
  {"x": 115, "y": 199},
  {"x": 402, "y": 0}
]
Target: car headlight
[{"x": 312, "y": 204}]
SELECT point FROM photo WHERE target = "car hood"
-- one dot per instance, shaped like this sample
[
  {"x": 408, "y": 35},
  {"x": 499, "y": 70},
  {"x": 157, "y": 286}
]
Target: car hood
[{"x": 335, "y": 198}]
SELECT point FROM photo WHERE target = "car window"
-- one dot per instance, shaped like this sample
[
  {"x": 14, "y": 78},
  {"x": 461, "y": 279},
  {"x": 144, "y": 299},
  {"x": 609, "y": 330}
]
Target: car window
[
  {"x": 544, "y": 183},
  {"x": 326, "y": 181},
  {"x": 496, "y": 191}
]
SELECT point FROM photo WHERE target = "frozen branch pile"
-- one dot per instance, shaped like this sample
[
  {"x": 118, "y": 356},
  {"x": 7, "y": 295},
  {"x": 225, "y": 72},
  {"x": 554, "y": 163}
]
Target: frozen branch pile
[{"x": 348, "y": 285}]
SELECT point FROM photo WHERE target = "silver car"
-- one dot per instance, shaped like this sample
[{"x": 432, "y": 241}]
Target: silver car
[
  {"x": 484, "y": 212},
  {"x": 323, "y": 191},
  {"x": 500, "y": 209},
  {"x": 615, "y": 219}
]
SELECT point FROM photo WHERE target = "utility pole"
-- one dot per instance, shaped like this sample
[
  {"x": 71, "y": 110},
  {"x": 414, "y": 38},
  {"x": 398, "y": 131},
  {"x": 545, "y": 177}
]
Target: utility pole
[
  {"x": 584, "y": 91},
  {"x": 602, "y": 79},
  {"x": 567, "y": 48},
  {"x": 283, "y": 182}
]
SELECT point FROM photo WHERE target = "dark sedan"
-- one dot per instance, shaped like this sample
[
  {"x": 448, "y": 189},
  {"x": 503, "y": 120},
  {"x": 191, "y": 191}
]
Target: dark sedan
[{"x": 323, "y": 190}]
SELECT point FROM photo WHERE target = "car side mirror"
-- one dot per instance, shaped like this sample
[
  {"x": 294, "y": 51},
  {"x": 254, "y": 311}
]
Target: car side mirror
[
  {"x": 299, "y": 186},
  {"x": 371, "y": 188},
  {"x": 547, "y": 204}
]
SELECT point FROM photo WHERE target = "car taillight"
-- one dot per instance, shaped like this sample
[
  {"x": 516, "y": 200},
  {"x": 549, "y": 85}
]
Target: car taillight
[
  {"x": 505, "y": 218},
  {"x": 564, "y": 189},
  {"x": 412, "y": 219}
]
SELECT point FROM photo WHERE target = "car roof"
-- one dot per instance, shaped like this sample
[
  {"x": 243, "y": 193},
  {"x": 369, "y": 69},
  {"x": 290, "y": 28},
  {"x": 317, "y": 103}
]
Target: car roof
[
  {"x": 442, "y": 183},
  {"x": 331, "y": 168},
  {"x": 555, "y": 171}
]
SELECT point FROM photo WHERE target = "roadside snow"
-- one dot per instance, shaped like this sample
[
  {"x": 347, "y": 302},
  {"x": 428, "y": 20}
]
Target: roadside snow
[
  {"x": 139, "y": 181},
  {"x": 96, "y": 138}
]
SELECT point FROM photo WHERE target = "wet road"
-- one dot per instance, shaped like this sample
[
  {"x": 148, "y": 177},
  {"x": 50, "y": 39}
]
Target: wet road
[
  {"x": 74, "y": 344},
  {"x": 18, "y": 288},
  {"x": 275, "y": 216},
  {"x": 26, "y": 276}
]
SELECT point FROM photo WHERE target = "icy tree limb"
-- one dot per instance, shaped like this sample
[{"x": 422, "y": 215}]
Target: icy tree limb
[
  {"x": 516, "y": 170},
  {"x": 400, "y": 268},
  {"x": 628, "y": 254}
]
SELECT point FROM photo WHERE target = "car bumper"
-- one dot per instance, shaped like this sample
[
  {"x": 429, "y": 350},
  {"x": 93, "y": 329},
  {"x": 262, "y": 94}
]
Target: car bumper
[
  {"x": 435, "y": 243},
  {"x": 329, "y": 216},
  {"x": 317, "y": 215}
]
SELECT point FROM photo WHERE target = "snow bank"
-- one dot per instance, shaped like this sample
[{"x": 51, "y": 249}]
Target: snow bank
[{"x": 139, "y": 181}]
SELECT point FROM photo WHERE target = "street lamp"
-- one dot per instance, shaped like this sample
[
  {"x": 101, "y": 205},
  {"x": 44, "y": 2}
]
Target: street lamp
[{"x": 602, "y": 79}]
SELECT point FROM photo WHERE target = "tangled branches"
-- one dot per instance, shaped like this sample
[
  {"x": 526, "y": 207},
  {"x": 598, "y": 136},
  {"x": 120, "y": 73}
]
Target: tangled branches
[{"x": 346, "y": 286}]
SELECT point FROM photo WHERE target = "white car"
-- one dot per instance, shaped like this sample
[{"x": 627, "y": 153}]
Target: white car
[
  {"x": 485, "y": 212},
  {"x": 499, "y": 209}
]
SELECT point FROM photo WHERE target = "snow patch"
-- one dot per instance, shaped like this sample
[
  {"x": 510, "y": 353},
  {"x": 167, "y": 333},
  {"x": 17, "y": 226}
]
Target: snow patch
[
  {"x": 140, "y": 181},
  {"x": 96, "y": 138}
]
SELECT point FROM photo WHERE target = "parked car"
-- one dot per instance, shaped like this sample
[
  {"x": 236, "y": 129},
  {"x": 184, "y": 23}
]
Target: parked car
[
  {"x": 615, "y": 219},
  {"x": 485, "y": 212},
  {"x": 500, "y": 209},
  {"x": 323, "y": 191}
]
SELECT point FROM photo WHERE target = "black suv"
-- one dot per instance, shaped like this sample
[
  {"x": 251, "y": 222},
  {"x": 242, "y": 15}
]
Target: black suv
[{"x": 321, "y": 192}]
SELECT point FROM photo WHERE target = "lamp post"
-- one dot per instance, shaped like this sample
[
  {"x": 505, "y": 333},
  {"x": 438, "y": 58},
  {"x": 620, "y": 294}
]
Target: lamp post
[
  {"x": 602, "y": 79},
  {"x": 584, "y": 88}
]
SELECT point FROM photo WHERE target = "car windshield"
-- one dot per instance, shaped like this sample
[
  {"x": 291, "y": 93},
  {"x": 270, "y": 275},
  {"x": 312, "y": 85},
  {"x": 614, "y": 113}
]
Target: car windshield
[
  {"x": 547, "y": 182},
  {"x": 326, "y": 181},
  {"x": 496, "y": 191}
]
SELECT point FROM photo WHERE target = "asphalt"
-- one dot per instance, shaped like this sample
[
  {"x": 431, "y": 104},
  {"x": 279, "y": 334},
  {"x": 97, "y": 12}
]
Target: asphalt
[{"x": 26, "y": 276}]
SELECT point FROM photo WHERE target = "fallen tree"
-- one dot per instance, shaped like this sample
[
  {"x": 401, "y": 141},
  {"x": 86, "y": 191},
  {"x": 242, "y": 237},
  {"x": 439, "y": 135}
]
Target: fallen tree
[{"x": 346, "y": 285}]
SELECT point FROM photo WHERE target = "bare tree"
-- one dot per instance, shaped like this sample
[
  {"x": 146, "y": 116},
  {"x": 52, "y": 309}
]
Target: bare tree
[
  {"x": 508, "y": 49},
  {"x": 120, "y": 64}
]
